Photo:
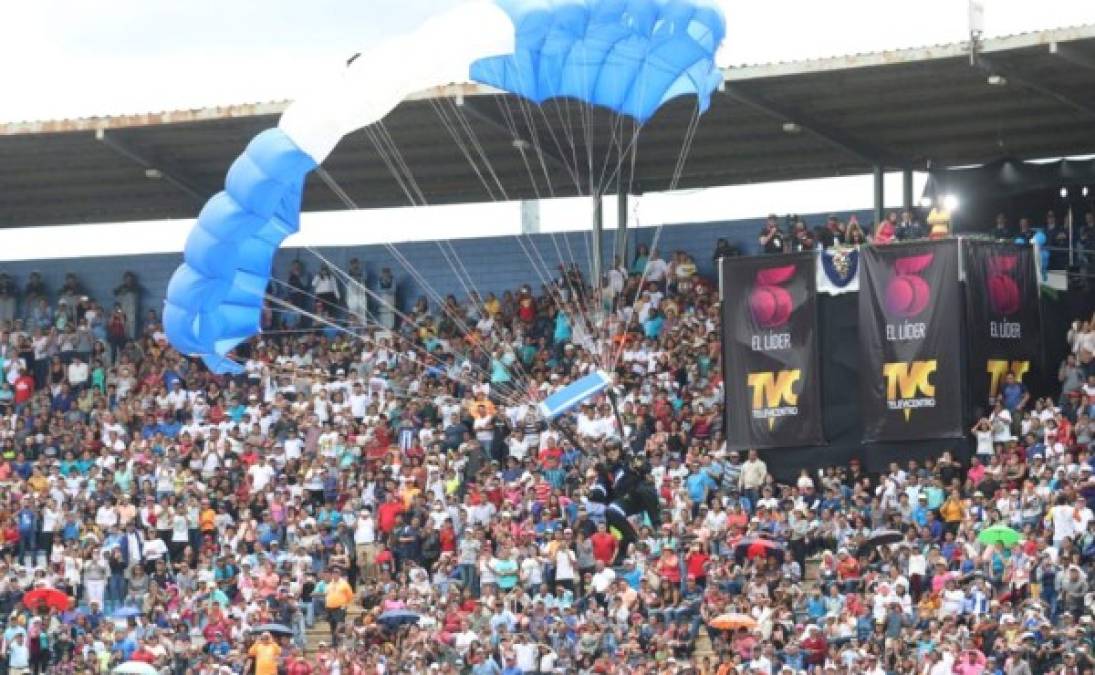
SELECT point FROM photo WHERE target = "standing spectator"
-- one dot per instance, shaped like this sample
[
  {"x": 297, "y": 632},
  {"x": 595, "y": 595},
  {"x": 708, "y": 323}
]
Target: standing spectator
[
  {"x": 771, "y": 236},
  {"x": 753, "y": 474},
  {"x": 128, "y": 296},
  {"x": 387, "y": 294},
  {"x": 325, "y": 288},
  {"x": 266, "y": 653},
  {"x": 357, "y": 298},
  {"x": 9, "y": 299},
  {"x": 338, "y": 597}
]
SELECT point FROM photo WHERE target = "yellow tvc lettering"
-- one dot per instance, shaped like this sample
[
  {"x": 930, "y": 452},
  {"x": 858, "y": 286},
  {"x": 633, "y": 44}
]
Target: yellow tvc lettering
[
  {"x": 906, "y": 381},
  {"x": 771, "y": 390},
  {"x": 998, "y": 368}
]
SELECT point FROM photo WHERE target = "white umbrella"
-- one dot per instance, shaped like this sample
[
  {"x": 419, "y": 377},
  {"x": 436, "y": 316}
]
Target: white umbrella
[{"x": 135, "y": 668}]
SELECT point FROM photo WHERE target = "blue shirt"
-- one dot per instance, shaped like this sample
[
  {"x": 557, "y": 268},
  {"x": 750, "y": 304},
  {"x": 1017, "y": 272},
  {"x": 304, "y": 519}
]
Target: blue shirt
[
  {"x": 1012, "y": 394},
  {"x": 699, "y": 486}
]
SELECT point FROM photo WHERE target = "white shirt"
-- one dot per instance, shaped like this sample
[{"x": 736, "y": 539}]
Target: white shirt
[
  {"x": 602, "y": 580},
  {"x": 365, "y": 530},
  {"x": 261, "y": 475},
  {"x": 77, "y": 372}
]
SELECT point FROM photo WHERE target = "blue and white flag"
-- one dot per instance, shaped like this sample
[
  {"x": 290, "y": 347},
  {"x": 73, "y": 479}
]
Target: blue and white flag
[{"x": 838, "y": 271}]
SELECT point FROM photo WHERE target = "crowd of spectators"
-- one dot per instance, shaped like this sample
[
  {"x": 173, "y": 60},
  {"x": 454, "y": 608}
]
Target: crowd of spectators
[
  {"x": 388, "y": 487},
  {"x": 1072, "y": 250}
]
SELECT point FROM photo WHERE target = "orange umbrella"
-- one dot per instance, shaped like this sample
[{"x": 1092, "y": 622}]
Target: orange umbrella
[
  {"x": 733, "y": 622},
  {"x": 50, "y": 597}
]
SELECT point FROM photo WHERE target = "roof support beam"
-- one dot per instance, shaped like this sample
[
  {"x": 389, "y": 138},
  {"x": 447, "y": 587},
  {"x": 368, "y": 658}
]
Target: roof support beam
[
  {"x": 167, "y": 171},
  {"x": 1072, "y": 55},
  {"x": 866, "y": 151},
  {"x": 994, "y": 66}
]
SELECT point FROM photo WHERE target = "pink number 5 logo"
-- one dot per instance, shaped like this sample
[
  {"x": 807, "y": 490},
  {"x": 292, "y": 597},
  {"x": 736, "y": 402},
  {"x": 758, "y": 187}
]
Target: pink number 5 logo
[
  {"x": 907, "y": 294},
  {"x": 770, "y": 303}
]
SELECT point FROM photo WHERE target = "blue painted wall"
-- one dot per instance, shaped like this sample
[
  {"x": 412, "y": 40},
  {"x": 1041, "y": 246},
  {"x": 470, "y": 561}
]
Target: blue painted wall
[{"x": 494, "y": 264}]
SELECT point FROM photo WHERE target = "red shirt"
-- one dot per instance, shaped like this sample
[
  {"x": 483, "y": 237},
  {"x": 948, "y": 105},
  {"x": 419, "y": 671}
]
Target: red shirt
[
  {"x": 604, "y": 547},
  {"x": 143, "y": 655},
  {"x": 695, "y": 563},
  {"x": 298, "y": 666},
  {"x": 387, "y": 515},
  {"x": 551, "y": 457},
  {"x": 448, "y": 539},
  {"x": 24, "y": 387}
]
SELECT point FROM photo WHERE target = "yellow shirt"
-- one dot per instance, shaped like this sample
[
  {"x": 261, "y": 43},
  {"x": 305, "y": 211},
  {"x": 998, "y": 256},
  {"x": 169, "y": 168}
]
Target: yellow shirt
[
  {"x": 207, "y": 520},
  {"x": 266, "y": 657},
  {"x": 339, "y": 594},
  {"x": 38, "y": 483},
  {"x": 939, "y": 220}
]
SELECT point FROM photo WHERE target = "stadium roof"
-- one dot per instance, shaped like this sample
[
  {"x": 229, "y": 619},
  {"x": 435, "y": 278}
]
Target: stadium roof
[{"x": 909, "y": 108}]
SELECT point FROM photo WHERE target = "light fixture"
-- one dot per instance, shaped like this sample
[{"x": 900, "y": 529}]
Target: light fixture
[
  {"x": 925, "y": 202},
  {"x": 1083, "y": 191},
  {"x": 521, "y": 144},
  {"x": 153, "y": 174},
  {"x": 791, "y": 128},
  {"x": 997, "y": 80},
  {"x": 950, "y": 202},
  {"x": 1064, "y": 193}
]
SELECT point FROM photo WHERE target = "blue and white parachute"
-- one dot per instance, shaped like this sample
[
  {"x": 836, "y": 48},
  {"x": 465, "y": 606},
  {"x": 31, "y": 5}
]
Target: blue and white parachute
[{"x": 630, "y": 56}]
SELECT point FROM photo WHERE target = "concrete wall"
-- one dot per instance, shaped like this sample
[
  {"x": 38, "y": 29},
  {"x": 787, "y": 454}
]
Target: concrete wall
[{"x": 494, "y": 264}]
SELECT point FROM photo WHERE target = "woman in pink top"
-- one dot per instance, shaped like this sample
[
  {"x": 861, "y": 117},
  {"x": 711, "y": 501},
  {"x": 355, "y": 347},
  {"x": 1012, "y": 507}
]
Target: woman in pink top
[{"x": 971, "y": 662}]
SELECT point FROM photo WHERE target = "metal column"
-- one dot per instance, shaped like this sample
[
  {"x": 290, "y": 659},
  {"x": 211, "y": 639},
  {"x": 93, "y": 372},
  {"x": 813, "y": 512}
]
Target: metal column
[
  {"x": 621, "y": 227},
  {"x": 907, "y": 189},
  {"x": 598, "y": 232},
  {"x": 879, "y": 193}
]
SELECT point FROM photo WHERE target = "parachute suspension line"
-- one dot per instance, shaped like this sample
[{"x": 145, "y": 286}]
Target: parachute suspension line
[
  {"x": 477, "y": 297},
  {"x": 382, "y": 129},
  {"x": 334, "y": 324},
  {"x": 388, "y": 146},
  {"x": 462, "y": 119},
  {"x": 678, "y": 170},
  {"x": 686, "y": 149},
  {"x": 405, "y": 317},
  {"x": 436, "y": 297},
  {"x": 449, "y": 126},
  {"x": 545, "y": 280},
  {"x": 577, "y": 294},
  {"x": 400, "y": 258},
  {"x": 533, "y": 140}
]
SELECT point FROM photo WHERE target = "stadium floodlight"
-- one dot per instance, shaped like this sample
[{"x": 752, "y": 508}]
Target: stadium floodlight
[
  {"x": 1064, "y": 193},
  {"x": 950, "y": 202},
  {"x": 1083, "y": 191},
  {"x": 997, "y": 80},
  {"x": 925, "y": 202},
  {"x": 791, "y": 128},
  {"x": 153, "y": 174}
]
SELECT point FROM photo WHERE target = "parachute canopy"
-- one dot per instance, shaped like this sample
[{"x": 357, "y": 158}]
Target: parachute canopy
[{"x": 630, "y": 56}]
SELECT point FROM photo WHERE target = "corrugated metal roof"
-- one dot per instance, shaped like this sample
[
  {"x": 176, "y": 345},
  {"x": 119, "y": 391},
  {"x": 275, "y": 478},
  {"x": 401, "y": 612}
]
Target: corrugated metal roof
[{"x": 905, "y": 108}]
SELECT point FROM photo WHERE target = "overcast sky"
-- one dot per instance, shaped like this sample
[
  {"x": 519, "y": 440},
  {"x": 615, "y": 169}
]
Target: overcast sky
[{"x": 72, "y": 58}]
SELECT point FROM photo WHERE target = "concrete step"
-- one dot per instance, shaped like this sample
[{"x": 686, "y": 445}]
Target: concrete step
[{"x": 703, "y": 644}]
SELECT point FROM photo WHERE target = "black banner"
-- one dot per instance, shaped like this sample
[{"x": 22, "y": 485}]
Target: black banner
[
  {"x": 769, "y": 315},
  {"x": 1003, "y": 318},
  {"x": 910, "y": 334}
]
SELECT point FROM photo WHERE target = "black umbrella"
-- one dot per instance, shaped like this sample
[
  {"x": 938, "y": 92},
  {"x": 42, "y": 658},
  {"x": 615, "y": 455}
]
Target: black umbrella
[
  {"x": 397, "y": 617},
  {"x": 273, "y": 629},
  {"x": 880, "y": 538},
  {"x": 972, "y": 576}
]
